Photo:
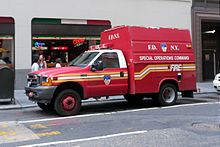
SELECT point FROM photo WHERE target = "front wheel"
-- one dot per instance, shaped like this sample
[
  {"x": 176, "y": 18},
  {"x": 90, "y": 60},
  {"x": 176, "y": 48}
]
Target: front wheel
[
  {"x": 68, "y": 102},
  {"x": 167, "y": 95}
]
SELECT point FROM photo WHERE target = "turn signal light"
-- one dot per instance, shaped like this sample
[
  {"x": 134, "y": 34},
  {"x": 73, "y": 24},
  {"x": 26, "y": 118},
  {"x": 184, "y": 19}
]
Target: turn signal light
[
  {"x": 47, "y": 83},
  {"x": 189, "y": 46}
]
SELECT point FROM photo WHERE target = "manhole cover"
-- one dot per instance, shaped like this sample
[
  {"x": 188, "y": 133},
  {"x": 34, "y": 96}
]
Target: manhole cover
[{"x": 210, "y": 126}]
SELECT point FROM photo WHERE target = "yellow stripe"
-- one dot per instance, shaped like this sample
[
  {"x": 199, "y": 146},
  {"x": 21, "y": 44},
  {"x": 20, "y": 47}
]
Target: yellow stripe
[
  {"x": 192, "y": 69},
  {"x": 189, "y": 67},
  {"x": 91, "y": 74},
  {"x": 189, "y": 64},
  {"x": 93, "y": 79}
]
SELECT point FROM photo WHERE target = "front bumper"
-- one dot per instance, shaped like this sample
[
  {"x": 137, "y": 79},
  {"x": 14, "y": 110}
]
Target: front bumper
[{"x": 41, "y": 94}]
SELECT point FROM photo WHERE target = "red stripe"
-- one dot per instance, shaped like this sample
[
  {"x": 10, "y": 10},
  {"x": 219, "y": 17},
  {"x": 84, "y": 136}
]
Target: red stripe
[
  {"x": 6, "y": 20},
  {"x": 6, "y": 38},
  {"x": 98, "y": 22}
]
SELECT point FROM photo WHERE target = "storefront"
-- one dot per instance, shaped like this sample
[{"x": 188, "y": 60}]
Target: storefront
[
  {"x": 7, "y": 42},
  {"x": 206, "y": 37},
  {"x": 64, "y": 38}
]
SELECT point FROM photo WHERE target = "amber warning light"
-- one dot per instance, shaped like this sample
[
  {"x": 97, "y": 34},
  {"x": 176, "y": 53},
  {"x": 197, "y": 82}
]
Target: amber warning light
[{"x": 189, "y": 46}]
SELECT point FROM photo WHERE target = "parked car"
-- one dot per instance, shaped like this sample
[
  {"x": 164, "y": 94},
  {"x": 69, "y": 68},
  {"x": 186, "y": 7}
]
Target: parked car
[{"x": 216, "y": 82}]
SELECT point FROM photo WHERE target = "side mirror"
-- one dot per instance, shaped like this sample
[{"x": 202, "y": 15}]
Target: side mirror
[
  {"x": 97, "y": 66},
  {"x": 93, "y": 67}
]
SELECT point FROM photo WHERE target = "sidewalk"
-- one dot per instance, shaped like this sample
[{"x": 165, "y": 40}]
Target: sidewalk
[{"x": 21, "y": 100}]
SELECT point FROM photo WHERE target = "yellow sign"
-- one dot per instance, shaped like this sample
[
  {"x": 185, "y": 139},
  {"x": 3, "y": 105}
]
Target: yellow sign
[{"x": 3, "y": 50}]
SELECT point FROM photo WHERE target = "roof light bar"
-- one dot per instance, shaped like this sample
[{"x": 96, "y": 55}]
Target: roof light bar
[{"x": 100, "y": 46}]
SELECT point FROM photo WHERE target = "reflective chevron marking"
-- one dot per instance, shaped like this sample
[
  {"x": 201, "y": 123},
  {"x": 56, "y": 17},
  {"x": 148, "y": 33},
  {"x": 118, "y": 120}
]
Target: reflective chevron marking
[{"x": 160, "y": 68}]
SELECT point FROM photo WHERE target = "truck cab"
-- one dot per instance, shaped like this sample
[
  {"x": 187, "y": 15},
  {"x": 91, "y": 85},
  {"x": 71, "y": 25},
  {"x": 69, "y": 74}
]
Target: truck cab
[{"x": 101, "y": 71}]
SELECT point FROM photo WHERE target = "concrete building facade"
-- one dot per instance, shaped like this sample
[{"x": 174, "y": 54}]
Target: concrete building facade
[{"x": 77, "y": 13}]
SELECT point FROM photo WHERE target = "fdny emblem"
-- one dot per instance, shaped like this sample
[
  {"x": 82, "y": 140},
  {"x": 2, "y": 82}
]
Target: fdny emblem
[
  {"x": 107, "y": 79},
  {"x": 163, "y": 47}
]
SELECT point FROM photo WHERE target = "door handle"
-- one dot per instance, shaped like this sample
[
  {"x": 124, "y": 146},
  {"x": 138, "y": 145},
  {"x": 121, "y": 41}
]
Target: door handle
[
  {"x": 122, "y": 74},
  {"x": 83, "y": 75}
]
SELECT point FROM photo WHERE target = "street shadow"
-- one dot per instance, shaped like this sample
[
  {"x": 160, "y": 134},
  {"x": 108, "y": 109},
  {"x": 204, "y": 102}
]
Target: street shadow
[
  {"x": 117, "y": 105},
  {"x": 6, "y": 102}
]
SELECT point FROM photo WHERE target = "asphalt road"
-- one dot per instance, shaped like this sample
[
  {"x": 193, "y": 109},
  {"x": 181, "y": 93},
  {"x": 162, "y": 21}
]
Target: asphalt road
[{"x": 192, "y": 122}]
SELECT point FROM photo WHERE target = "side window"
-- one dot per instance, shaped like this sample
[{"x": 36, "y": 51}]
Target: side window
[{"x": 109, "y": 60}]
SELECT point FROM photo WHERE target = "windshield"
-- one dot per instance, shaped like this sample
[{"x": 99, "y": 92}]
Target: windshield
[{"x": 83, "y": 59}]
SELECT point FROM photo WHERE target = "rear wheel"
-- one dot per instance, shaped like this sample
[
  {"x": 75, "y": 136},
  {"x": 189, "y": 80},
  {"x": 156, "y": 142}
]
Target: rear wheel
[
  {"x": 45, "y": 106},
  {"x": 167, "y": 95},
  {"x": 133, "y": 99},
  {"x": 68, "y": 102}
]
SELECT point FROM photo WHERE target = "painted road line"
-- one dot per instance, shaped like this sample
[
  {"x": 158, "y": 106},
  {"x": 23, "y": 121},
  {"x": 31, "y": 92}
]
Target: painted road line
[
  {"x": 38, "y": 126},
  {"x": 47, "y": 134},
  {"x": 86, "y": 139},
  {"x": 114, "y": 112}
]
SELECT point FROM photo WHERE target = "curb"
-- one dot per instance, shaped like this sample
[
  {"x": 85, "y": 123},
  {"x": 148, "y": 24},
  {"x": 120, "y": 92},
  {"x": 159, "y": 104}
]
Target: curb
[
  {"x": 212, "y": 92},
  {"x": 10, "y": 107}
]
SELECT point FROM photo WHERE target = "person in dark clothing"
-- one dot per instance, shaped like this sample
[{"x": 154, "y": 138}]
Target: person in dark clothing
[{"x": 6, "y": 59}]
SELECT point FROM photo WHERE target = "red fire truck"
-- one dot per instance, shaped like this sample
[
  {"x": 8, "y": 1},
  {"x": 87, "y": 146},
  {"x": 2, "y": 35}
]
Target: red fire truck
[{"x": 133, "y": 61}]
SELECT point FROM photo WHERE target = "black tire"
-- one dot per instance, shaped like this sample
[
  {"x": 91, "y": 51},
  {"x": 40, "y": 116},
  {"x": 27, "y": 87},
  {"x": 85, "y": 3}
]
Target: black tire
[
  {"x": 133, "y": 99},
  {"x": 45, "y": 107},
  {"x": 167, "y": 95},
  {"x": 68, "y": 102}
]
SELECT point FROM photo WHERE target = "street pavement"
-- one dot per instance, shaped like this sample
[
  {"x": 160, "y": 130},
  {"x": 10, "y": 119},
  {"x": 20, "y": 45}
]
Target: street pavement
[
  {"x": 191, "y": 123},
  {"x": 115, "y": 123},
  {"x": 21, "y": 100}
]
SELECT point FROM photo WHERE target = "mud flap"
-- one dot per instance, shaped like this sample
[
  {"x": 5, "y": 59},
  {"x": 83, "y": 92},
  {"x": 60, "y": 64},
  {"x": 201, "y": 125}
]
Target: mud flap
[{"x": 187, "y": 94}]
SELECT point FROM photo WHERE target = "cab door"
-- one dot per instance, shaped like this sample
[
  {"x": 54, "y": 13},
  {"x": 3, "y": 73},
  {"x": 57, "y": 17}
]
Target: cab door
[{"x": 108, "y": 80}]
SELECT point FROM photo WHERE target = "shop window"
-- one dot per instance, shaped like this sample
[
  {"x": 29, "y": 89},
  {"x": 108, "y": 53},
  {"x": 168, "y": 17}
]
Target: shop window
[
  {"x": 213, "y": 3},
  {"x": 61, "y": 38},
  {"x": 206, "y": 3},
  {"x": 7, "y": 42},
  {"x": 64, "y": 48}
]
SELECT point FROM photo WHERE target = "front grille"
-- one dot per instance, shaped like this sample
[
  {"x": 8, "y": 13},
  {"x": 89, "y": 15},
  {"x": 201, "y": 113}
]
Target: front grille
[{"x": 33, "y": 80}]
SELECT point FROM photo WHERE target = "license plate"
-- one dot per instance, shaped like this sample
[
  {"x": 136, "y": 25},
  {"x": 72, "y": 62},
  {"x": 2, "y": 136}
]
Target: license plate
[{"x": 30, "y": 94}]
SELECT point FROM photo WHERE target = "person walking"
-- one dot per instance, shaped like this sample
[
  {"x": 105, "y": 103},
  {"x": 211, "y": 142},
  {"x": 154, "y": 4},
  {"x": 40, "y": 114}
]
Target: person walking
[{"x": 35, "y": 65}]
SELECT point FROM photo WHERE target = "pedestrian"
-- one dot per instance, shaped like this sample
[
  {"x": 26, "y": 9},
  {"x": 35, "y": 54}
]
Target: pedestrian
[
  {"x": 48, "y": 59},
  {"x": 6, "y": 59},
  {"x": 35, "y": 65},
  {"x": 58, "y": 62},
  {"x": 42, "y": 62}
]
